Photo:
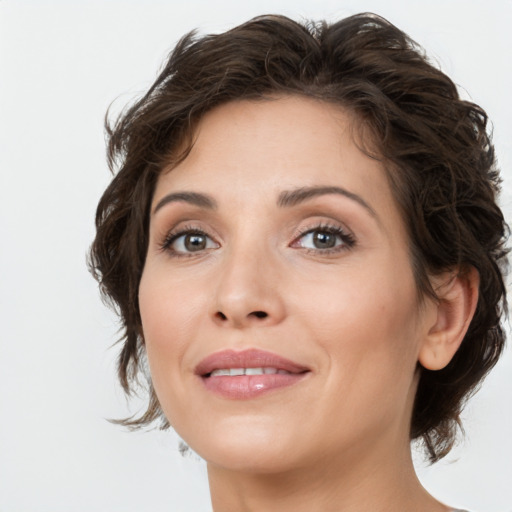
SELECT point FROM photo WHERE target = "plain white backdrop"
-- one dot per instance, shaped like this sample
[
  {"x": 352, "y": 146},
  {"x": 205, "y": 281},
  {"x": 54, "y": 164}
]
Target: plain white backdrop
[{"x": 61, "y": 65}]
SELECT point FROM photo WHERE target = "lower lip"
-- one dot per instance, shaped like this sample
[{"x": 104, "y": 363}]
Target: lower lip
[{"x": 244, "y": 387}]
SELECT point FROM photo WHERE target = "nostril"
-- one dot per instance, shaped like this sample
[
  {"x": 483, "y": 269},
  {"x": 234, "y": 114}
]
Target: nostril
[{"x": 259, "y": 314}]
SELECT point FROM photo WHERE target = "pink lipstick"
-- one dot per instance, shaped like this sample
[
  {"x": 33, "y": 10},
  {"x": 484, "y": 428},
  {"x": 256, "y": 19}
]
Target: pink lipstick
[{"x": 248, "y": 373}]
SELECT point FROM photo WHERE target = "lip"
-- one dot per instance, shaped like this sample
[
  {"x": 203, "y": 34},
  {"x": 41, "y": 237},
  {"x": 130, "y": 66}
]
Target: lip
[{"x": 248, "y": 386}]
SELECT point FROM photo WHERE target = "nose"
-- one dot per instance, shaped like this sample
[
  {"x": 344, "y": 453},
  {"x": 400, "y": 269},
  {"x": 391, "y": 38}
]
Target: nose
[{"x": 248, "y": 291}]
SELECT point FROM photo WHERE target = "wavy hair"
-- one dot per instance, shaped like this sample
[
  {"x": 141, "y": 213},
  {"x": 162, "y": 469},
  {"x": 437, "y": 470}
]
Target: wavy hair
[{"x": 435, "y": 148}]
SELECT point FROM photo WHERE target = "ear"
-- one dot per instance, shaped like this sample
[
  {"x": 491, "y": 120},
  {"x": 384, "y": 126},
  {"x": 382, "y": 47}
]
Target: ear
[{"x": 458, "y": 297}]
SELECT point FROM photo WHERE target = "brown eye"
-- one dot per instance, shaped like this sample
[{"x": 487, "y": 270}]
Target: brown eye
[
  {"x": 195, "y": 242},
  {"x": 187, "y": 242},
  {"x": 323, "y": 239}
]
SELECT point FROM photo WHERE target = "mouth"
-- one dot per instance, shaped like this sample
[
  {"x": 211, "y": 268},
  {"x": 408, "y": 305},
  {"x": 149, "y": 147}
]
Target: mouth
[
  {"x": 235, "y": 372},
  {"x": 248, "y": 374}
]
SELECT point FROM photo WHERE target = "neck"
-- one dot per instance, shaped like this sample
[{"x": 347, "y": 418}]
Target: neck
[{"x": 377, "y": 481}]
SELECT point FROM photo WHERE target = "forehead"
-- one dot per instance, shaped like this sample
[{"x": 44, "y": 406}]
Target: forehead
[{"x": 252, "y": 150}]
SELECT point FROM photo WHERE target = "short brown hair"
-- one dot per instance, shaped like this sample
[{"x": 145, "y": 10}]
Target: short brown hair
[{"x": 434, "y": 146}]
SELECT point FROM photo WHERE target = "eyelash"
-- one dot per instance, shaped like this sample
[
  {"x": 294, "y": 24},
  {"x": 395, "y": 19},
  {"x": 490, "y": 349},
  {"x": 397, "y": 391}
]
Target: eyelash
[
  {"x": 347, "y": 239},
  {"x": 172, "y": 236}
]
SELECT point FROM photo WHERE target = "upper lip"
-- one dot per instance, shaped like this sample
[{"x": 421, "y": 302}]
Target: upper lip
[{"x": 250, "y": 358}]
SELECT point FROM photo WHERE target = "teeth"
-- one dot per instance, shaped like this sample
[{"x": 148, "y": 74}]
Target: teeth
[
  {"x": 254, "y": 371},
  {"x": 233, "y": 372},
  {"x": 219, "y": 373}
]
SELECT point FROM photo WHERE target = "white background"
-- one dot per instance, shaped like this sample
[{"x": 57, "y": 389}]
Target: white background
[{"x": 61, "y": 65}]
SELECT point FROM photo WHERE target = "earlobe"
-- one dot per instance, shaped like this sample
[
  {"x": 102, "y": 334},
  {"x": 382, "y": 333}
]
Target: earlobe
[{"x": 458, "y": 297}]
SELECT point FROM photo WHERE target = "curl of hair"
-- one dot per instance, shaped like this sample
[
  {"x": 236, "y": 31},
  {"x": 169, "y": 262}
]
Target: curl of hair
[{"x": 434, "y": 146}]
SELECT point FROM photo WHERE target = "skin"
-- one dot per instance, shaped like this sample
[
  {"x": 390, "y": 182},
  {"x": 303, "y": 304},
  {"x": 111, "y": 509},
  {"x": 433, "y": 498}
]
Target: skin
[{"x": 338, "y": 439}]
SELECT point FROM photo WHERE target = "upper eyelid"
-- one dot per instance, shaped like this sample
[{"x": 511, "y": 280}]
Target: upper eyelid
[
  {"x": 184, "y": 226},
  {"x": 324, "y": 225}
]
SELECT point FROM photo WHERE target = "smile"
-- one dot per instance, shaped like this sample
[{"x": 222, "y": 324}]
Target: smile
[
  {"x": 248, "y": 374},
  {"x": 234, "y": 372}
]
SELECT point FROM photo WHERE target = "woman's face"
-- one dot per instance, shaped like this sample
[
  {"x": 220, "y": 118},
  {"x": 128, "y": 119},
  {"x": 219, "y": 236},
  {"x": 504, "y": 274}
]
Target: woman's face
[{"x": 276, "y": 246}]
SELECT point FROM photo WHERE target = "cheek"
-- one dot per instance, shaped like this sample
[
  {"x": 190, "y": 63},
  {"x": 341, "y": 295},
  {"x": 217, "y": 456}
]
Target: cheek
[
  {"x": 372, "y": 353},
  {"x": 366, "y": 323},
  {"x": 168, "y": 313}
]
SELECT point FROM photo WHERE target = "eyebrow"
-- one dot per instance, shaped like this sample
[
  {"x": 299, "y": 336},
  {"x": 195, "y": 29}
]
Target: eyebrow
[
  {"x": 195, "y": 198},
  {"x": 294, "y": 197},
  {"x": 287, "y": 198}
]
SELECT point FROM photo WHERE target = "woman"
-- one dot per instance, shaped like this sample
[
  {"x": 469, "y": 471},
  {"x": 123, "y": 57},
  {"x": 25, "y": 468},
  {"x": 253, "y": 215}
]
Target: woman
[{"x": 304, "y": 242}]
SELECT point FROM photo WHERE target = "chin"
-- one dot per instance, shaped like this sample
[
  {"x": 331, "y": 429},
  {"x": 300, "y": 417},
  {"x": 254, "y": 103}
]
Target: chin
[
  {"x": 251, "y": 447},
  {"x": 255, "y": 459}
]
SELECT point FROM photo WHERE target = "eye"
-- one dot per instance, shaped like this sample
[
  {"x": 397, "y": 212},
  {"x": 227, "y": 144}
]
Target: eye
[
  {"x": 188, "y": 241},
  {"x": 325, "y": 238}
]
